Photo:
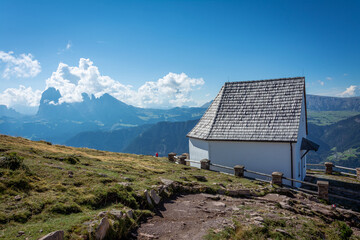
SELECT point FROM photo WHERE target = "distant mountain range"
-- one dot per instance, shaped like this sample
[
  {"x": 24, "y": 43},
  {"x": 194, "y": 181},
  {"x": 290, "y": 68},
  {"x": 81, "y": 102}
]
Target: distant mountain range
[
  {"x": 57, "y": 122},
  {"x": 108, "y": 111},
  {"x": 8, "y": 112},
  {"x": 162, "y": 137},
  {"x": 322, "y": 103}
]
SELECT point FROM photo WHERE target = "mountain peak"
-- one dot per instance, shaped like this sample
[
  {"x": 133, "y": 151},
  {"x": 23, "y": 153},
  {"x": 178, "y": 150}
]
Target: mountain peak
[{"x": 50, "y": 95}]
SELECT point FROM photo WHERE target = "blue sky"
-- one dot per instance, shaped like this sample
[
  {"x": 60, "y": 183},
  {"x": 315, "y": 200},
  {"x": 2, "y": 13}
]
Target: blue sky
[{"x": 139, "y": 43}]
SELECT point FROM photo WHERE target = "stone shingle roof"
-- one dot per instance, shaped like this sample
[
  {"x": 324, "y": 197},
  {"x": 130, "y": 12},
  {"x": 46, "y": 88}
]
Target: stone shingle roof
[{"x": 265, "y": 110}]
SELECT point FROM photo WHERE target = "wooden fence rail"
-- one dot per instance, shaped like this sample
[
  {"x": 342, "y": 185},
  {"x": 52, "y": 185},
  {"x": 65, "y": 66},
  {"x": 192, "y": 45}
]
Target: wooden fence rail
[
  {"x": 329, "y": 169},
  {"x": 258, "y": 173},
  {"x": 276, "y": 177}
]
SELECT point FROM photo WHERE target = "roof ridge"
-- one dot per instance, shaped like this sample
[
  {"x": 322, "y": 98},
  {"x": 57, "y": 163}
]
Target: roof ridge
[{"x": 267, "y": 80}]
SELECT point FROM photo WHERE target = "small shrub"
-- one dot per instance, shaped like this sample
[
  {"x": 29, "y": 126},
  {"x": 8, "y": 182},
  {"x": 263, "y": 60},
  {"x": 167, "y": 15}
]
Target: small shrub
[
  {"x": 60, "y": 187},
  {"x": 12, "y": 161},
  {"x": 2, "y": 187},
  {"x": 21, "y": 216},
  {"x": 71, "y": 159},
  {"x": 41, "y": 187},
  {"x": 35, "y": 207},
  {"x": 78, "y": 184},
  {"x": 106, "y": 180},
  {"x": 120, "y": 229},
  {"x": 343, "y": 230},
  {"x": 65, "y": 208},
  {"x": 104, "y": 196},
  {"x": 226, "y": 233},
  {"x": 18, "y": 181},
  {"x": 3, "y": 218},
  {"x": 46, "y": 142}
]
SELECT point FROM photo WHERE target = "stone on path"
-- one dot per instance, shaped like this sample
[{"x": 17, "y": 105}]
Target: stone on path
[
  {"x": 57, "y": 235},
  {"x": 155, "y": 197}
]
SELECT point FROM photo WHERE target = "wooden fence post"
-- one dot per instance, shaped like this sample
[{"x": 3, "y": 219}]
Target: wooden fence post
[
  {"x": 239, "y": 170},
  {"x": 171, "y": 156},
  {"x": 329, "y": 167},
  {"x": 186, "y": 155},
  {"x": 323, "y": 189},
  {"x": 182, "y": 159},
  {"x": 358, "y": 173},
  {"x": 277, "y": 178},
  {"x": 205, "y": 164}
]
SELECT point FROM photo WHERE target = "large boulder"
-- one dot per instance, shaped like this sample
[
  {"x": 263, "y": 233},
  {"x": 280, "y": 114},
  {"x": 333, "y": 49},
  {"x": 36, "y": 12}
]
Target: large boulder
[
  {"x": 102, "y": 229},
  {"x": 155, "y": 197},
  {"x": 147, "y": 196}
]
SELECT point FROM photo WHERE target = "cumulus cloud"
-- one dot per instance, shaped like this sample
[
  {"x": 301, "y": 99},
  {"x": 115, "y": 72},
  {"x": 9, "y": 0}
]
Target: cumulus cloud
[
  {"x": 351, "y": 91},
  {"x": 23, "y": 65},
  {"x": 20, "y": 96},
  {"x": 172, "y": 90},
  {"x": 329, "y": 78},
  {"x": 169, "y": 91}
]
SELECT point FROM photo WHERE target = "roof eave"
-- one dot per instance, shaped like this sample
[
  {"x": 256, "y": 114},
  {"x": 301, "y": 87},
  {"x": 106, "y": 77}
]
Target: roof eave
[{"x": 236, "y": 140}]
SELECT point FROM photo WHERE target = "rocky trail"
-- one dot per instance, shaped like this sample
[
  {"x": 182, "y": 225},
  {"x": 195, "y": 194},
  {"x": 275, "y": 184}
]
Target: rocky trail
[{"x": 192, "y": 216}]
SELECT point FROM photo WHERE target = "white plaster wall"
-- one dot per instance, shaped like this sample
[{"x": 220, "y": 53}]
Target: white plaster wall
[
  {"x": 198, "y": 150},
  {"x": 264, "y": 157}
]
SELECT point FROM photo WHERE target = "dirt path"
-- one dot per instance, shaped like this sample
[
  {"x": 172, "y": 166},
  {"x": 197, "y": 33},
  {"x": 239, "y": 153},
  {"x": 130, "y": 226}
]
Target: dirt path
[
  {"x": 189, "y": 217},
  {"x": 192, "y": 216}
]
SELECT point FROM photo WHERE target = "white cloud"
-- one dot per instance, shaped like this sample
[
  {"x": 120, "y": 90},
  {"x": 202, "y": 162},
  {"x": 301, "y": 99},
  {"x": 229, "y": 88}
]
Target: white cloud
[
  {"x": 20, "y": 96},
  {"x": 68, "y": 45},
  {"x": 351, "y": 91},
  {"x": 173, "y": 90},
  {"x": 345, "y": 74},
  {"x": 67, "y": 48},
  {"x": 329, "y": 78},
  {"x": 21, "y": 66},
  {"x": 321, "y": 82},
  {"x": 170, "y": 91}
]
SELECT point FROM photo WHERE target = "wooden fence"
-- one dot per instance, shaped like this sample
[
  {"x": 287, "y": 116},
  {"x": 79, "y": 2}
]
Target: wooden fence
[
  {"x": 329, "y": 169},
  {"x": 276, "y": 177}
]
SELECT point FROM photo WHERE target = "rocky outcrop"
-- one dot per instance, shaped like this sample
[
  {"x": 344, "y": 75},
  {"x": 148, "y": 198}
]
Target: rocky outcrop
[
  {"x": 305, "y": 205},
  {"x": 102, "y": 229}
]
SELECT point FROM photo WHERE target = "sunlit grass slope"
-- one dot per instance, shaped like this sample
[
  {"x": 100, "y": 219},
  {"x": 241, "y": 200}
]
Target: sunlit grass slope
[{"x": 59, "y": 188}]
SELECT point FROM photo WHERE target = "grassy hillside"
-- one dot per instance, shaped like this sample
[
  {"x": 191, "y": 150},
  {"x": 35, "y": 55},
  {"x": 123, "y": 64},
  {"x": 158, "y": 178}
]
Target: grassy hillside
[
  {"x": 38, "y": 196},
  {"x": 114, "y": 141},
  {"x": 339, "y": 142},
  {"x": 324, "y": 118},
  {"x": 163, "y": 137}
]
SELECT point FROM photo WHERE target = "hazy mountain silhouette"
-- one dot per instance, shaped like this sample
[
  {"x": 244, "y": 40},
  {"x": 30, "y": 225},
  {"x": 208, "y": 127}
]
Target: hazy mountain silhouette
[
  {"x": 323, "y": 103},
  {"x": 57, "y": 122},
  {"x": 9, "y": 112}
]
